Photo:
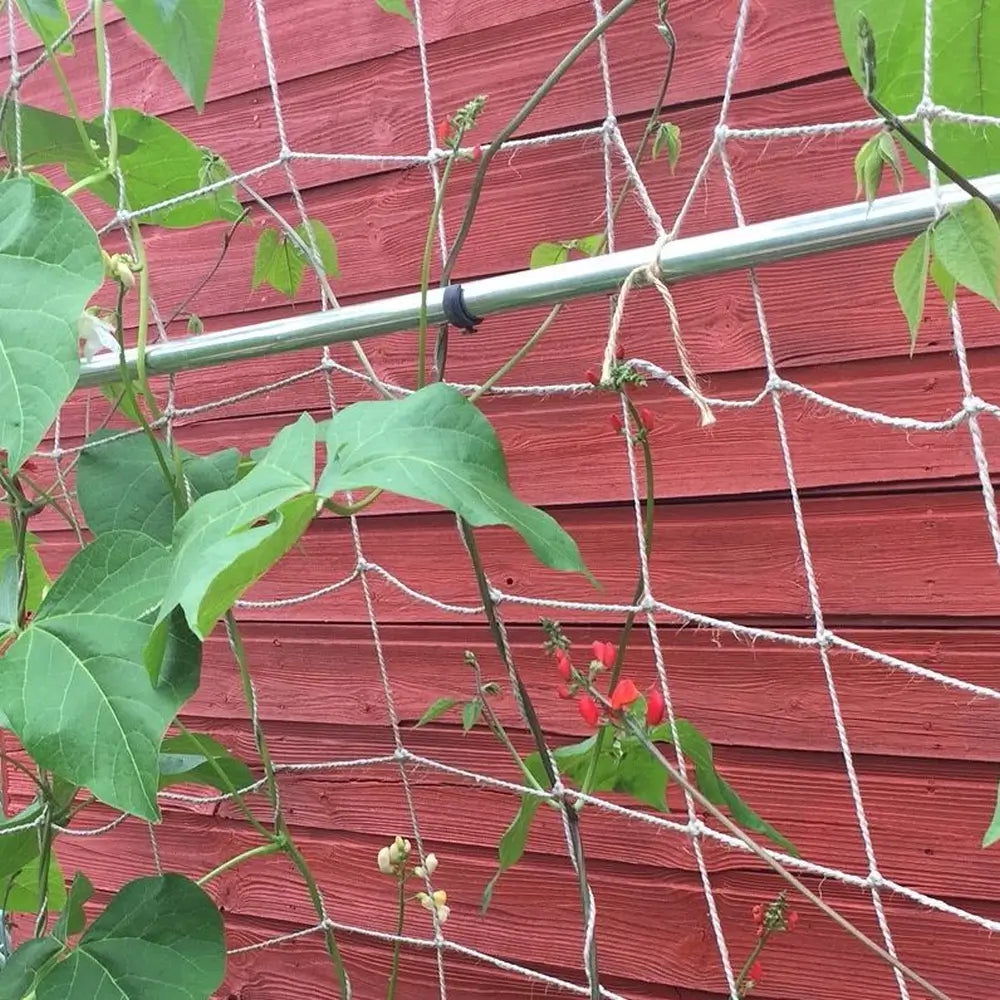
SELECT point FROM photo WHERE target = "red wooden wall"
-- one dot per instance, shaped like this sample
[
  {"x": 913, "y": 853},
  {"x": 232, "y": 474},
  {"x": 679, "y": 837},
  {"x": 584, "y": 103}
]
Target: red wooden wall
[{"x": 896, "y": 521}]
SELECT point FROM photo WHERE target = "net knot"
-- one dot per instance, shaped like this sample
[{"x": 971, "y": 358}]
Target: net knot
[{"x": 651, "y": 274}]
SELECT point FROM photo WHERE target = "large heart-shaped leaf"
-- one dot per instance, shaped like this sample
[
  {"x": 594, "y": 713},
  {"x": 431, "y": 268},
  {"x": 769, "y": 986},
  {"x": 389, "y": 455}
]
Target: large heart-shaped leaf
[
  {"x": 120, "y": 484},
  {"x": 219, "y": 549},
  {"x": 437, "y": 446},
  {"x": 120, "y": 573},
  {"x": 157, "y": 163},
  {"x": 964, "y": 71},
  {"x": 74, "y": 687},
  {"x": 160, "y": 938},
  {"x": 50, "y": 265},
  {"x": 183, "y": 34}
]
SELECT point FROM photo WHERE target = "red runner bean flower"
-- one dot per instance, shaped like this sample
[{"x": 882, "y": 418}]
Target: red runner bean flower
[
  {"x": 656, "y": 708},
  {"x": 624, "y": 694},
  {"x": 605, "y": 653},
  {"x": 588, "y": 710}
]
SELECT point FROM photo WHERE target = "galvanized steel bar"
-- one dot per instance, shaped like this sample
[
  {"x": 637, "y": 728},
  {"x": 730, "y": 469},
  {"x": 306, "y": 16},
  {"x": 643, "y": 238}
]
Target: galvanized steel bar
[{"x": 694, "y": 256}]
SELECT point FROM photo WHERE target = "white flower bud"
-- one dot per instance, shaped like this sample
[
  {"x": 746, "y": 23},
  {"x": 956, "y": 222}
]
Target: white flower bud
[
  {"x": 385, "y": 861},
  {"x": 428, "y": 868}
]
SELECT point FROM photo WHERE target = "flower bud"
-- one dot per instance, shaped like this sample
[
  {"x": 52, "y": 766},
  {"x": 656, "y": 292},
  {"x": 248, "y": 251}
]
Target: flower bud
[
  {"x": 592, "y": 377},
  {"x": 428, "y": 868},
  {"x": 563, "y": 665},
  {"x": 648, "y": 418},
  {"x": 655, "y": 708},
  {"x": 385, "y": 865},
  {"x": 589, "y": 711},
  {"x": 616, "y": 423}
]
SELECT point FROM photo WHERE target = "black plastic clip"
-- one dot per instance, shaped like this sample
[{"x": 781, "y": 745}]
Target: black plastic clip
[{"x": 455, "y": 311}]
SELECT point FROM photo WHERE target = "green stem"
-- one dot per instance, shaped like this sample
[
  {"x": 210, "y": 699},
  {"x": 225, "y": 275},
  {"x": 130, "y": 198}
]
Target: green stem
[
  {"x": 231, "y": 790},
  {"x": 142, "y": 327},
  {"x": 102, "y": 83},
  {"x": 390, "y": 992},
  {"x": 928, "y": 154},
  {"x": 496, "y": 727},
  {"x": 317, "y": 900},
  {"x": 89, "y": 181},
  {"x": 67, "y": 93},
  {"x": 518, "y": 355},
  {"x": 518, "y": 120},
  {"x": 647, "y": 534},
  {"x": 346, "y": 510},
  {"x": 273, "y": 847},
  {"x": 425, "y": 267},
  {"x": 45, "y": 838}
]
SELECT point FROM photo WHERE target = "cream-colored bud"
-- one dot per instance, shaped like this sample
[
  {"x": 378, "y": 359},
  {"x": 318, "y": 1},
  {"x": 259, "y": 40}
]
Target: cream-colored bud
[{"x": 385, "y": 861}]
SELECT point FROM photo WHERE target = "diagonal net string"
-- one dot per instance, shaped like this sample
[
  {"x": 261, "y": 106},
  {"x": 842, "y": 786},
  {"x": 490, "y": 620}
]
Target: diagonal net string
[{"x": 972, "y": 411}]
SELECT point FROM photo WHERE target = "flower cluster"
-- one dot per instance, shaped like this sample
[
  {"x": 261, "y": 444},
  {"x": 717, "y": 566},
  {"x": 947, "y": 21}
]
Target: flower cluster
[
  {"x": 394, "y": 858},
  {"x": 577, "y": 684},
  {"x": 450, "y": 130},
  {"x": 770, "y": 919}
]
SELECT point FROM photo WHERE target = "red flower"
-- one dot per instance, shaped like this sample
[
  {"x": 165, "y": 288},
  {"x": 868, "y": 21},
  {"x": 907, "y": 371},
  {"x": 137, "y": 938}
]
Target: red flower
[
  {"x": 443, "y": 131},
  {"x": 592, "y": 377},
  {"x": 624, "y": 694},
  {"x": 563, "y": 665},
  {"x": 605, "y": 653},
  {"x": 648, "y": 419},
  {"x": 589, "y": 710},
  {"x": 564, "y": 692},
  {"x": 792, "y": 919},
  {"x": 620, "y": 353},
  {"x": 757, "y": 913},
  {"x": 616, "y": 423},
  {"x": 477, "y": 153},
  {"x": 655, "y": 708},
  {"x": 756, "y": 972}
]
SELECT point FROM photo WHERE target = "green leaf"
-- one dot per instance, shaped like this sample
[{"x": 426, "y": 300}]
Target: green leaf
[
  {"x": 966, "y": 34},
  {"x": 909, "y": 279},
  {"x": 590, "y": 245},
  {"x": 511, "y": 846},
  {"x": 49, "y": 20},
  {"x": 121, "y": 487},
  {"x": 667, "y": 136},
  {"x": 889, "y": 154},
  {"x": 436, "y": 710},
  {"x": 19, "y": 974},
  {"x": 967, "y": 244},
  {"x": 710, "y": 783},
  {"x": 188, "y": 759},
  {"x": 76, "y": 694},
  {"x": 10, "y": 586},
  {"x": 72, "y": 920},
  {"x": 400, "y": 7},
  {"x": 219, "y": 549},
  {"x": 435, "y": 445},
  {"x": 470, "y": 714},
  {"x": 50, "y": 265},
  {"x": 992, "y": 834},
  {"x": 868, "y": 170},
  {"x": 183, "y": 34},
  {"x": 195, "y": 326},
  {"x": 326, "y": 246},
  {"x": 277, "y": 264},
  {"x": 546, "y": 254},
  {"x": 159, "y": 163},
  {"x": 38, "y": 579},
  {"x": 114, "y": 392},
  {"x": 48, "y": 137},
  {"x": 22, "y": 895},
  {"x": 944, "y": 282},
  {"x": 160, "y": 938},
  {"x": 120, "y": 573}
]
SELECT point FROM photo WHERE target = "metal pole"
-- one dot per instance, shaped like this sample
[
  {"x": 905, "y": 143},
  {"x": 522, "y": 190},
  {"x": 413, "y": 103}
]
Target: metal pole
[{"x": 762, "y": 243}]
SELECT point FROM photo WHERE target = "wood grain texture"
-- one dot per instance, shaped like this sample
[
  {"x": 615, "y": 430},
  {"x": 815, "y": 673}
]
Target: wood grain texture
[{"x": 895, "y": 520}]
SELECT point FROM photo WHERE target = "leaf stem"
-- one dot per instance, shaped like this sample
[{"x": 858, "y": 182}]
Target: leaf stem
[
  {"x": 346, "y": 510},
  {"x": 390, "y": 992},
  {"x": 100, "y": 42},
  {"x": 89, "y": 181},
  {"x": 273, "y": 847}
]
